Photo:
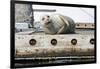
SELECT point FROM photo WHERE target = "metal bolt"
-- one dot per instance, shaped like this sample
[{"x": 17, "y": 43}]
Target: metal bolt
[
  {"x": 92, "y": 41},
  {"x": 32, "y": 42},
  {"x": 54, "y": 42},
  {"x": 74, "y": 41}
]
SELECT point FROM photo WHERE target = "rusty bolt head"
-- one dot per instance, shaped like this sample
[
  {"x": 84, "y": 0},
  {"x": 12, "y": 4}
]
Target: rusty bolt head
[
  {"x": 54, "y": 42},
  {"x": 74, "y": 41},
  {"x": 92, "y": 41},
  {"x": 32, "y": 42}
]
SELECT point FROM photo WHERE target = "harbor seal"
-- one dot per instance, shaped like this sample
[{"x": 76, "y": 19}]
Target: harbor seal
[{"x": 58, "y": 24}]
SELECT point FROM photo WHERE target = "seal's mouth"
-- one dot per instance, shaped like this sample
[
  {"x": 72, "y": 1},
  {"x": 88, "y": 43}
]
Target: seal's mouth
[{"x": 47, "y": 22}]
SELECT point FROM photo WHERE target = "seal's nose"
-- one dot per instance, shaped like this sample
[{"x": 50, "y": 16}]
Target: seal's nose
[{"x": 48, "y": 20}]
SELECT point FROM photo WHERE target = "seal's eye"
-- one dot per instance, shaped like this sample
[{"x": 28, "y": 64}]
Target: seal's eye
[
  {"x": 43, "y": 19},
  {"x": 48, "y": 16}
]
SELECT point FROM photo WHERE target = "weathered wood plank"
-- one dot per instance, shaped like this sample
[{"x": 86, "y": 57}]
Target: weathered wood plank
[{"x": 85, "y": 25}]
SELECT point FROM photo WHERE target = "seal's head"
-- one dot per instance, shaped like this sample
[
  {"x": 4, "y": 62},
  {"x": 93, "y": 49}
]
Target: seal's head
[{"x": 46, "y": 19}]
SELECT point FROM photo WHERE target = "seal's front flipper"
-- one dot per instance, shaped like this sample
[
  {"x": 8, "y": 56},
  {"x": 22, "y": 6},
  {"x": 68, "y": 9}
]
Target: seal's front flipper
[{"x": 61, "y": 30}]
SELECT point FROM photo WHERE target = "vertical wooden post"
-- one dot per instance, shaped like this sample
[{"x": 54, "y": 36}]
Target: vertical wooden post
[{"x": 24, "y": 13}]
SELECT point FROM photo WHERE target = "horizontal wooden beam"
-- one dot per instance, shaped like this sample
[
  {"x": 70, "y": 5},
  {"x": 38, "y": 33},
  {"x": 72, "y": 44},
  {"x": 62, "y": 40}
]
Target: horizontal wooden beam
[
  {"x": 85, "y": 25},
  {"x": 44, "y": 10},
  {"x": 54, "y": 52}
]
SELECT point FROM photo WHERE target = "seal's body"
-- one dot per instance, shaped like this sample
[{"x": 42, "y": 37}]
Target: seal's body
[{"x": 58, "y": 24}]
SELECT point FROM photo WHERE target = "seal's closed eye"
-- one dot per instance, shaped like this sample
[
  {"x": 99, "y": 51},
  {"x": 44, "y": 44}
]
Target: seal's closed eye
[
  {"x": 43, "y": 19},
  {"x": 48, "y": 16}
]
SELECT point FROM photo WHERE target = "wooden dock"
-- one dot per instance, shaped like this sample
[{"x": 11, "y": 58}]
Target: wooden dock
[{"x": 39, "y": 48}]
